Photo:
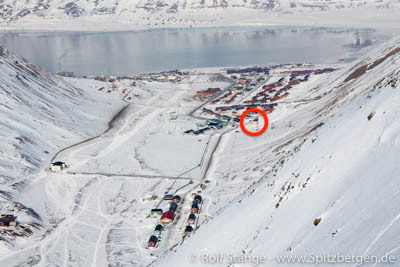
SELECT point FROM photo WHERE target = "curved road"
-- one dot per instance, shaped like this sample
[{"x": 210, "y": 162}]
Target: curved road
[{"x": 204, "y": 164}]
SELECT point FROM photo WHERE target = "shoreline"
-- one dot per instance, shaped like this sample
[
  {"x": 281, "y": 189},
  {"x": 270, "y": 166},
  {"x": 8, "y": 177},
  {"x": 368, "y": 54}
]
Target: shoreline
[{"x": 383, "y": 20}]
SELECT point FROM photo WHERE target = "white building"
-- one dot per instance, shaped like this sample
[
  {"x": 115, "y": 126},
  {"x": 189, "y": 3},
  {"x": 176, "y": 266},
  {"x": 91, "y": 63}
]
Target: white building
[{"x": 57, "y": 166}]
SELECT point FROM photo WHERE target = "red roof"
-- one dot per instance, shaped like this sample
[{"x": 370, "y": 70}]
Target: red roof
[{"x": 168, "y": 214}]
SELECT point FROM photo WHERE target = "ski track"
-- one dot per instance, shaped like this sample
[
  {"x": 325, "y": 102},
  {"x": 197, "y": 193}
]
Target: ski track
[{"x": 381, "y": 233}]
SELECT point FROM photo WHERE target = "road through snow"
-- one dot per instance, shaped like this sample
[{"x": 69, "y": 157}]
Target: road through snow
[{"x": 104, "y": 210}]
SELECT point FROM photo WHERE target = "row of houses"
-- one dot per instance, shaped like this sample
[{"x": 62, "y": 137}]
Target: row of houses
[
  {"x": 7, "y": 220},
  {"x": 222, "y": 119},
  {"x": 263, "y": 100},
  {"x": 249, "y": 79},
  {"x": 276, "y": 91},
  {"x": 166, "y": 217},
  {"x": 229, "y": 97},
  {"x": 197, "y": 132},
  {"x": 249, "y": 70},
  {"x": 165, "y": 76},
  {"x": 245, "y": 82},
  {"x": 104, "y": 78},
  {"x": 194, "y": 212},
  {"x": 270, "y": 93},
  {"x": 209, "y": 92},
  {"x": 307, "y": 71},
  {"x": 210, "y": 124}
]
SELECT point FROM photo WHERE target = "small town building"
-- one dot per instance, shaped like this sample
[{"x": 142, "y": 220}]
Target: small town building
[
  {"x": 173, "y": 116},
  {"x": 168, "y": 197},
  {"x": 209, "y": 92},
  {"x": 66, "y": 74},
  {"x": 152, "y": 241},
  {"x": 57, "y": 166},
  {"x": 102, "y": 78},
  {"x": 7, "y": 220},
  {"x": 176, "y": 199},
  {"x": 188, "y": 230},
  {"x": 173, "y": 206},
  {"x": 192, "y": 218},
  {"x": 167, "y": 217},
  {"x": 197, "y": 199},
  {"x": 195, "y": 208},
  {"x": 156, "y": 212},
  {"x": 159, "y": 228}
]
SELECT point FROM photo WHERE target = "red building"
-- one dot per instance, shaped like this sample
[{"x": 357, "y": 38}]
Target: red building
[
  {"x": 209, "y": 92},
  {"x": 167, "y": 217}
]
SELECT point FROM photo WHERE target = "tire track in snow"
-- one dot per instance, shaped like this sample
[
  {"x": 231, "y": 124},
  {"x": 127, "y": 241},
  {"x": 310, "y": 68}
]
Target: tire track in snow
[{"x": 109, "y": 127}]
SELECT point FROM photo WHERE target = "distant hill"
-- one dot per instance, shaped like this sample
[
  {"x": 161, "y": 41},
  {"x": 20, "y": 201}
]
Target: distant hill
[{"x": 162, "y": 13}]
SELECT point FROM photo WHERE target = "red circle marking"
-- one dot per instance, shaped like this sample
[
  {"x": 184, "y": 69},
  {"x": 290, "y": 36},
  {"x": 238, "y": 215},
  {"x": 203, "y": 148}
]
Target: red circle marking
[{"x": 257, "y": 111}]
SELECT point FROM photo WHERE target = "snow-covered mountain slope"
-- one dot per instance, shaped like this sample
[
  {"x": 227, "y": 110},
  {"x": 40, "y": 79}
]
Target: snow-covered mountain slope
[
  {"x": 323, "y": 180},
  {"x": 14, "y": 10},
  {"x": 39, "y": 114},
  {"x": 138, "y": 14}
]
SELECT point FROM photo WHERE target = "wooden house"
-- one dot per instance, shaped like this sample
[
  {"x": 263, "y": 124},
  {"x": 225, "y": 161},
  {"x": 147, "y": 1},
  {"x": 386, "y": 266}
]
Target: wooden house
[
  {"x": 167, "y": 217},
  {"x": 192, "y": 218},
  {"x": 173, "y": 206},
  {"x": 152, "y": 241},
  {"x": 57, "y": 166},
  {"x": 156, "y": 212},
  {"x": 188, "y": 230},
  {"x": 195, "y": 208}
]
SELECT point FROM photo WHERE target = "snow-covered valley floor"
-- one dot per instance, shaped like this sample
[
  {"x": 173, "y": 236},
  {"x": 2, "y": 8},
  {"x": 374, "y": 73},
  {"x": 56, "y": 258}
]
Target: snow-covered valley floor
[{"x": 322, "y": 179}]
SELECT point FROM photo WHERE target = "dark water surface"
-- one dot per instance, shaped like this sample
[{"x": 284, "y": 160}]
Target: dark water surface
[{"x": 124, "y": 53}]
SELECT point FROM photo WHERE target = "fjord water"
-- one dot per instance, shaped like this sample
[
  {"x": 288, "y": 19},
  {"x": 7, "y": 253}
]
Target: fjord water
[{"x": 124, "y": 53}]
